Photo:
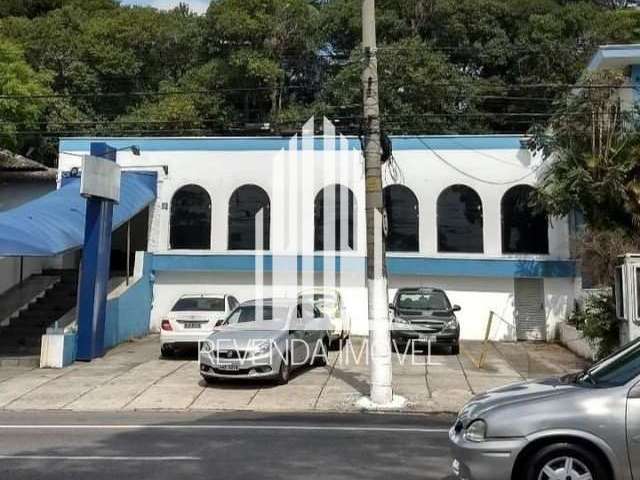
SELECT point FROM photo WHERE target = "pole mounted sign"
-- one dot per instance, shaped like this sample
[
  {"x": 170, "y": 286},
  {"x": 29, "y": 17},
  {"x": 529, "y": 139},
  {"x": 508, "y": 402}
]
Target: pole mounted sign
[
  {"x": 100, "y": 184},
  {"x": 100, "y": 178}
]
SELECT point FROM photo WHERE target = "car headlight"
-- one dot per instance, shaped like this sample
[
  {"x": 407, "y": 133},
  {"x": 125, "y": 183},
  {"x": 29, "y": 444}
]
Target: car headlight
[
  {"x": 476, "y": 431},
  {"x": 451, "y": 325},
  {"x": 206, "y": 347}
]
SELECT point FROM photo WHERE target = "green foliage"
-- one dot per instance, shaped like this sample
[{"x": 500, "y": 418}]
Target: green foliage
[
  {"x": 27, "y": 8},
  {"x": 598, "y": 323},
  {"x": 445, "y": 65},
  {"x": 267, "y": 44},
  {"x": 179, "y": 113},
  {"x": 596, "y": 158},
  {"x": 419, "y": 89},
  {"x": 18, "y": 78}
]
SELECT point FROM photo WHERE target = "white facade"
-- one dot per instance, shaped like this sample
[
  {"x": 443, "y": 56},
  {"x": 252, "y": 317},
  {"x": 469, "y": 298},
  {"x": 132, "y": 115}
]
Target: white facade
[{"x": 293, "y": 174}]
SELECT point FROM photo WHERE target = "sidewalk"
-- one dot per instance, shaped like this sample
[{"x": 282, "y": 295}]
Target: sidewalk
[{"x": 133, "y": 377}]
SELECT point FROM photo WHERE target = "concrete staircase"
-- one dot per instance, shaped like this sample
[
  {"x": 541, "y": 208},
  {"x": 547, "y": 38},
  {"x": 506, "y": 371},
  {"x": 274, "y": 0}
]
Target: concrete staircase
[{"x": 20, "y": 340}]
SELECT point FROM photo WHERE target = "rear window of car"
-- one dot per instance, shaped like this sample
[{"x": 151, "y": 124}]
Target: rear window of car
[{"x": 202, "y": 304}]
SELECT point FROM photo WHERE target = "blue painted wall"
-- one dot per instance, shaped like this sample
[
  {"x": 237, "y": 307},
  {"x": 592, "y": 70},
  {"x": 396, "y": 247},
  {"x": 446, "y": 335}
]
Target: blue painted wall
[
  {"x": 70, "y": 349},
  {"x": 249, "y": 144},
  {"x": 247, "y": 263},
  {"x": 128, "y": 315},
  {"x": 401, "y": 266},
  {"x": 494, "y": 268}
]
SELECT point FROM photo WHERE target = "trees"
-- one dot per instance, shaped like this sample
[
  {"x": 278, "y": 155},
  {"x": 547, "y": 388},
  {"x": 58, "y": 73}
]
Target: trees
[
  {"x": 447, "y": 65},
  {"x": 420, "y": 91},
  {"x": 268, "y": 46},
  {"x": 593, "y": 144},
  {"x": 27, "y": 8},
  {"x": 18, "y": 79}
]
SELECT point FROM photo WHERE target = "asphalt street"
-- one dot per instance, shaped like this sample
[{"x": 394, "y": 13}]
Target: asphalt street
[{"x": 156, "y": 445}]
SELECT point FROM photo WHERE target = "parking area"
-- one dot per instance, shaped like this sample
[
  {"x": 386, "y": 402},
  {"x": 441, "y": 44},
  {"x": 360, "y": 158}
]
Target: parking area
[{"x": 134, "y": 377}]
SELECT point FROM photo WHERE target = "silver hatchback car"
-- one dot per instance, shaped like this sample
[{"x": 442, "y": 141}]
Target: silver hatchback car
[{"x": 582, "y": 426}]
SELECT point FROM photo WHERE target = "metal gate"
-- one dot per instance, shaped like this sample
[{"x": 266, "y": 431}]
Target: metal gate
[{"x": 529, "y": 309}]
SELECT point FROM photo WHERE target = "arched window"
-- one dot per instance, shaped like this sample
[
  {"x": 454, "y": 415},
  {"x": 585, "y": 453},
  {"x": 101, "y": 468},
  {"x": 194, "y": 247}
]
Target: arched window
[
  {"x": 335, "y": 219},
  {"x": 525, "y": 229},
  {"x": 249, "y": 205},
  {"x": 190, "y": 225},
  {"x": 460, "y": 222},
  {"x": 403, "y": 219}
]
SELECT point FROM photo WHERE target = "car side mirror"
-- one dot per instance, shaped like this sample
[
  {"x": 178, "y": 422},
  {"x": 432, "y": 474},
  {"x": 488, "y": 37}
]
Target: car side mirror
[
  {"x": 456, "y": 308},
  {"x": 219, "y": 323},
  {"x": 391, "y": 307}
]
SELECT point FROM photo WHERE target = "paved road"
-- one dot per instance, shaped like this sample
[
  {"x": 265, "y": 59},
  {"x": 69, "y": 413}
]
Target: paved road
[{"x": 231, "y": 446}]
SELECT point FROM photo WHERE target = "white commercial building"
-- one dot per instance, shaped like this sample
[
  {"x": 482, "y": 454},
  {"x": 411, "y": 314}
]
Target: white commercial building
[{"x": 458, "y": 215}]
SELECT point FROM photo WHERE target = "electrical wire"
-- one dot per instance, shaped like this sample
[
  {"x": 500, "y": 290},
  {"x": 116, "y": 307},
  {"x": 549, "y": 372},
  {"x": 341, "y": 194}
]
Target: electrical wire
[
  {"x": 465, "y": 86},
  {"x": 473, "y": 177}
]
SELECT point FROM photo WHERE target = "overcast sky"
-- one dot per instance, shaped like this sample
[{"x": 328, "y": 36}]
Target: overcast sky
[{"x": 199, "y": 6}]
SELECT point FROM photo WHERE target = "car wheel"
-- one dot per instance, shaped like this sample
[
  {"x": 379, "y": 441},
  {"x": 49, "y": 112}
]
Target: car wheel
[
  {"x": 455, "y": 350},
  {"x": 565, "y": 461},
  {"x": 167, "y": 351},
  {"x": 321, "y": 360},
  {"x": 284, "y": 372}
]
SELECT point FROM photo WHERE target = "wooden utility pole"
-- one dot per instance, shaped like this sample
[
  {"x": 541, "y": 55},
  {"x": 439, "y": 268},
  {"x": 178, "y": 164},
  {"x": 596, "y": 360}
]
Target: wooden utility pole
[{"x": 379, "y": 333}]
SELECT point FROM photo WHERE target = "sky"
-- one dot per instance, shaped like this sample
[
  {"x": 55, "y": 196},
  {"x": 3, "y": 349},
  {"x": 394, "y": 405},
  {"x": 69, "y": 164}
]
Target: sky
[{"x": 199, "y": 6}]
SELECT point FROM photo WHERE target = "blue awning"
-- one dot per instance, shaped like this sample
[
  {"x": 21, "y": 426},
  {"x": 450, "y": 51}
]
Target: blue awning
[{"x": 54, "y": 224}]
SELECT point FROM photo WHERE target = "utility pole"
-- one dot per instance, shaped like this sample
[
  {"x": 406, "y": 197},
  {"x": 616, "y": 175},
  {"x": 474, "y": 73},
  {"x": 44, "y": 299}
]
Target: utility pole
[{"x": 379, "y": 334}]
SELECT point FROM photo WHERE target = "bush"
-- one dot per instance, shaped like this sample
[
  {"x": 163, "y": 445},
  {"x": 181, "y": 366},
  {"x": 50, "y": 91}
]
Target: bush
[{"x": 598, "y": 323}]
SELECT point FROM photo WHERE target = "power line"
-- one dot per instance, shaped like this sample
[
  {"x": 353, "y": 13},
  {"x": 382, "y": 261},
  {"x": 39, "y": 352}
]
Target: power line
[
  {"x": 479, "y": 84},
  {"x": 104, "y": 123},
  {"x": 146, "y": 93},
  {"x": 388, "y": 118},
  {"x": 473, "y": 177}
]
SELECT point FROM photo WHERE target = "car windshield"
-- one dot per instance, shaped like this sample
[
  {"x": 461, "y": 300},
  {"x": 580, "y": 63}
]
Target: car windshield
[
  {"x": 426, "y": 300},
  {"x": 615, "y": 370},
  {"x": 254, "y": 313},
  {"x": 200, "y": 304}
]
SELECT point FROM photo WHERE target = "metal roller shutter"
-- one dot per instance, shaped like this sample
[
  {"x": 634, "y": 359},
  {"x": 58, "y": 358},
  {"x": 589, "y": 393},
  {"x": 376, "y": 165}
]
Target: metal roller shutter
[{"x": 529, "y": 309}]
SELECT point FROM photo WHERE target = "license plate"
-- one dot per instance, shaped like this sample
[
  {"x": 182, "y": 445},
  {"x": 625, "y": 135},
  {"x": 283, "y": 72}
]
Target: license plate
[
  {"x": 229, "y": 367},
  {"x": 192, "y": 324}
]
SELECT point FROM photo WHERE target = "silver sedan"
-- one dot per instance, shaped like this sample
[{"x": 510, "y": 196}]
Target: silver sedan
[
  {"x": 582, "y": 426},
  {"x": 266, "y": 339}
]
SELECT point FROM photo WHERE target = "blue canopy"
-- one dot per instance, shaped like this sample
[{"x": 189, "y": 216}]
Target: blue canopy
[{"x": 54, "y": 223}]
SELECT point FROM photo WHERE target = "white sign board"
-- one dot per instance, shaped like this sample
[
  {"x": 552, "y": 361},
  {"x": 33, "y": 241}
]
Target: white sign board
[{"x": 100, "y": 178}]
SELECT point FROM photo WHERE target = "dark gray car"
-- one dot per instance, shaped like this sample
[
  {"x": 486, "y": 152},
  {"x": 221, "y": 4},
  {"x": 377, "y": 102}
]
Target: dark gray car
[
  {"x": 422, "y": 315},
  {"x": 582, "y": 426}
]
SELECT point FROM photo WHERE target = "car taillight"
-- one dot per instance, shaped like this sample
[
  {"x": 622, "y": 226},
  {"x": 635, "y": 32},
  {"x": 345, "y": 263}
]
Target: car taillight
[{"x": 166, "y": 325}]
